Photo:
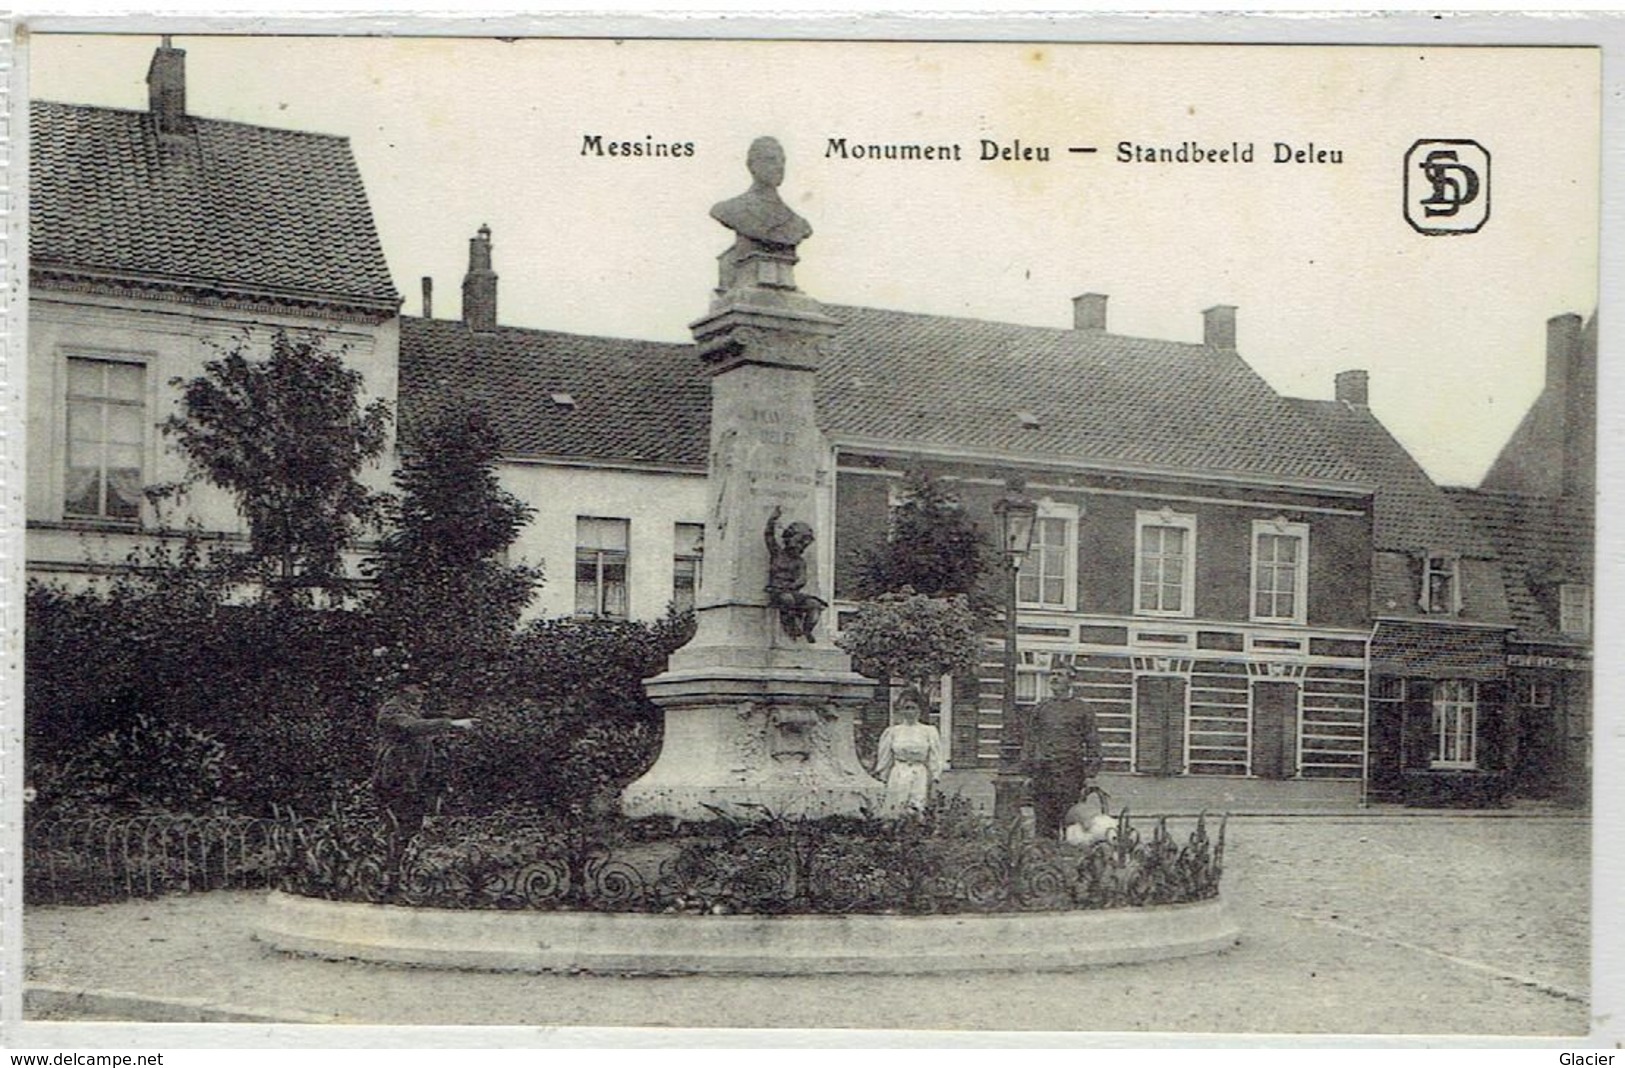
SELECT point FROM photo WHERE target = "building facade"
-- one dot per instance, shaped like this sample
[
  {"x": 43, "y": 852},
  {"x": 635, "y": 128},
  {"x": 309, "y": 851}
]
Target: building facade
[
  {"x": 158, "y": 241},
  {"x": 1537, "y": 507}
]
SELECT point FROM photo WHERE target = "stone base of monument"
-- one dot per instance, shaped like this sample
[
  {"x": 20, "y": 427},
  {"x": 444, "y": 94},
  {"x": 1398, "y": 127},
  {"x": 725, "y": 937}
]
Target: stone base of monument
[
  {"x": 754, "y": 742},
  {"x": 657, "y": 944}
]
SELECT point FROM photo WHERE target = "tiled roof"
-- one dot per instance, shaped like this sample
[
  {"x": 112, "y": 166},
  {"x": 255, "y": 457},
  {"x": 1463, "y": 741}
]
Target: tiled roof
[
  {"x": 1543, "y": 541},
  {"x": 1085, "y": 394},
  {"x": 917, "y": 380},
  {"x": 1412, "y": 514},
  {"x": 1436, "y": 651},
  {"x": 244, "y": 210},
  {"x": 565, "y": 396}
]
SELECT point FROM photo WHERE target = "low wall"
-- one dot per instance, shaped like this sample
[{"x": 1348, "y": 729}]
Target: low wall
[{"x": 654, "y": 943}]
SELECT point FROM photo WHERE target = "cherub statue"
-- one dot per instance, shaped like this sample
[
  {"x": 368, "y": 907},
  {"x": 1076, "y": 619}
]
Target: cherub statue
[{"x": 787, "y": 577}]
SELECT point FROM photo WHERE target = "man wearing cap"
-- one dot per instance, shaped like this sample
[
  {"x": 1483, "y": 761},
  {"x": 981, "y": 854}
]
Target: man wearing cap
[{"x": 1061, "y": 752}]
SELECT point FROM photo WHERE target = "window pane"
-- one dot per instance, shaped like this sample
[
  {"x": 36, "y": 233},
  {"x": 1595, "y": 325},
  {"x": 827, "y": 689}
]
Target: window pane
[
  {"x": 86, "y": 378},
  {"x": 690, "y": 539},
  {"x": 124, "y": 424},
  {"x": 614, "y": 579},
  {"x": 84, "y": 491},
  {"x": 124, "y": 381},
  {"x": 84, "y": 421},
  {"x": 594, "y": 533},
  {"x": 86, "y": 454},
  {"x": 124, "y": 492},
  {"x": 587, "y": 584}
]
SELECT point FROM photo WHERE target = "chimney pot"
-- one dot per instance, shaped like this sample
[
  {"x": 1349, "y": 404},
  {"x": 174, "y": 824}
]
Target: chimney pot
[
  {"x": 166, "y": 88},
  {"x": 1354, "y": 387},
  {"x": 428, "y": 297},
  {"x": 1219, "y": 327},
  {"x": 480, "y": 284},
  {"x": 1089, "y": 311}
]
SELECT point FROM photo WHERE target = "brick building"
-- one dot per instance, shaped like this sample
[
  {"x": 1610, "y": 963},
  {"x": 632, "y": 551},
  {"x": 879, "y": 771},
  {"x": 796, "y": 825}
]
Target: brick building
[{"x": 1537, "y": 507}]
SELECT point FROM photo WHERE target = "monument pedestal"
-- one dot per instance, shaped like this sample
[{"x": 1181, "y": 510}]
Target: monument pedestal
[{"x": 760, "y": 706}]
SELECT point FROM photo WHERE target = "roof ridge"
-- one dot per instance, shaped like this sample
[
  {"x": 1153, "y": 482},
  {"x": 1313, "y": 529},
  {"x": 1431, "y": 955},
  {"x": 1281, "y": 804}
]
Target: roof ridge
[
  {"x": 541, "y": 331},
  {"x": 1058, "y": 331},
  {"x": 239, "y": 124}
]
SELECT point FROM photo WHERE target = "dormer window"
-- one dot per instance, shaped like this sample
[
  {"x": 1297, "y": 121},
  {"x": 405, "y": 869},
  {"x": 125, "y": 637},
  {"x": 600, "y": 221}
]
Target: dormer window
[
  {"x": 1574, "y": 609},
  {"x": 1441, "y": 584}
]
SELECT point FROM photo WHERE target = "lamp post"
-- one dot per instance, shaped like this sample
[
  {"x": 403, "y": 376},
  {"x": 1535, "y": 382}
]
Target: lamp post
[{"x": 1017, "y": 514}]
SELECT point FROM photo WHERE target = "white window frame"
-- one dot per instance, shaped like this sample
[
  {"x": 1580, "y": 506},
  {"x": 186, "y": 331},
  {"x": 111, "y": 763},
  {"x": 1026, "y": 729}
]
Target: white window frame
[
  {"x": 1441, "y": 563},
  {"x": 1068, "y": 515},
  {"x": 1574, "y": 609},
  {"x": 679, "y": 557},
  {"x": 1281, "y": 528},
  {"x": 143, "y": 404},
  {"x": 1455, "y": 704},
  {"x": 1167, "y": 517},
  {"x": 601, "y": 555}
]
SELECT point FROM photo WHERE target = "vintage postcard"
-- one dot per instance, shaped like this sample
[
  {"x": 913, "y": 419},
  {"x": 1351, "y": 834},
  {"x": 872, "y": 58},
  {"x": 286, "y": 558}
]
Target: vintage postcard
[{"x": 1033, "y": 535}]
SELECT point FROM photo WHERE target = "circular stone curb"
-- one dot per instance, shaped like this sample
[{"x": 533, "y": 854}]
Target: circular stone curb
[{"x": 660, "y": 944}]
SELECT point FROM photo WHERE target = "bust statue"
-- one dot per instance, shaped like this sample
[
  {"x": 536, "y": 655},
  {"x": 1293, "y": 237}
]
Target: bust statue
[
  {"x": 762, "y": 220},
  {"x": 759, "y": 214}
]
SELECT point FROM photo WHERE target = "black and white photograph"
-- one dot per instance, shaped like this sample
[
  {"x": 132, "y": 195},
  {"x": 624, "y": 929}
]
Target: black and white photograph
[{"x": 1026, "y": 536}]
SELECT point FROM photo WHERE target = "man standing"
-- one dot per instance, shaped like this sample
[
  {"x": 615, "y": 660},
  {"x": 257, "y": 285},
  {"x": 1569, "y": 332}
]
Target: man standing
[
  {"x": 1061, "y": 752},
  {"x": 405, "y": 780}
]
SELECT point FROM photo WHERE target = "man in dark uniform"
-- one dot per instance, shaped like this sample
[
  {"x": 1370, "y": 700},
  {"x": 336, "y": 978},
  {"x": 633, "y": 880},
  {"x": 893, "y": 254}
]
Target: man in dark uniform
[
  {"x": 405, "y": 780},
  {"x": 1061, "y": 752}
]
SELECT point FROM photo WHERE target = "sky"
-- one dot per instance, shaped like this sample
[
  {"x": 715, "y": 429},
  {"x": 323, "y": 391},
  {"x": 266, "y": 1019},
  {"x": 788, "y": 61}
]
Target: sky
[{"x": 1326, "y": 272}]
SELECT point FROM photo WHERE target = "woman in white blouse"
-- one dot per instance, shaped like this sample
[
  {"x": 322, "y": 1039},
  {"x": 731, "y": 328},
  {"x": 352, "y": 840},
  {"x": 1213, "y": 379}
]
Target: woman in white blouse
[{"x": 910, "y": 756}]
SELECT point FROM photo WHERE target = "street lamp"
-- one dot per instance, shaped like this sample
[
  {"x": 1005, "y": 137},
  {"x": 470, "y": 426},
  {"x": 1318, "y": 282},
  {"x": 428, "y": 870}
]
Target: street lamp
[{"x": 1017, "y": 514}]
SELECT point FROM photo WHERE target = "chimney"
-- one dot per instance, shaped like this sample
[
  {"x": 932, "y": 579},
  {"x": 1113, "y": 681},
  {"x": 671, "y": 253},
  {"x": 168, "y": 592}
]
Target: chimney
[
  {"x": 1219, "y": 327},
  {"x": 428, "y": 297},
  {"x": 1089, "y": 311},
  {"x": 1354, "y": 387},
  {"x": 1562, "y": 350},
  {"x": 166, "y": 88},
  {"x": 480, "y": 284}
]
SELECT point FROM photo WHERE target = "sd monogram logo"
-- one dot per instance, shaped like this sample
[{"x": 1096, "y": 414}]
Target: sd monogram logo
[{"x": 1447, "y": 187}]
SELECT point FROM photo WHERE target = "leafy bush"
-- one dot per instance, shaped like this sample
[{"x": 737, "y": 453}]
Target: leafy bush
[
  {"x": 145, "y": 766},
  {"x": 287, "y": 691}
]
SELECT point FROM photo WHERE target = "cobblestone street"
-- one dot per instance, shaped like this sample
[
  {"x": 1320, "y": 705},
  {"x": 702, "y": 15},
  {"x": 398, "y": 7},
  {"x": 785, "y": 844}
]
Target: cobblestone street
[{"x": 1380, "y": 924}]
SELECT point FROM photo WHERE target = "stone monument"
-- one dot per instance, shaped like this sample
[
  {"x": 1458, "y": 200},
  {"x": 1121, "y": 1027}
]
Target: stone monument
[{"x": 759, "y": 706}]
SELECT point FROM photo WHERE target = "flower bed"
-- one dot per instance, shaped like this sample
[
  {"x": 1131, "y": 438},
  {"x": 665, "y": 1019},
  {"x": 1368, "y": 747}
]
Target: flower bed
[{"x": 944, "y": 861}]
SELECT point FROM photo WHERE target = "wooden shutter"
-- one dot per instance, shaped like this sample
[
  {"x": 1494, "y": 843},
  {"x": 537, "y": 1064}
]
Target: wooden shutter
[
  {"x": 1159, "y": 725},
  {"x": 1275, "y": 729}
]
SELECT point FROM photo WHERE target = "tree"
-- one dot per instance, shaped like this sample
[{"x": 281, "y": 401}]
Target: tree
[
  {"x": 935, "y": 549},
  {"x": 287, "y": 437},
  {"x": 914, "y": 637},
  {"x": 444, "y": 588}
]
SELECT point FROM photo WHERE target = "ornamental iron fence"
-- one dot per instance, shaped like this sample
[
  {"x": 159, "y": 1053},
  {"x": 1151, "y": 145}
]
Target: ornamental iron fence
[
  {"x": 92, "y": 860},
  {"x": 765, "y": 867}
]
